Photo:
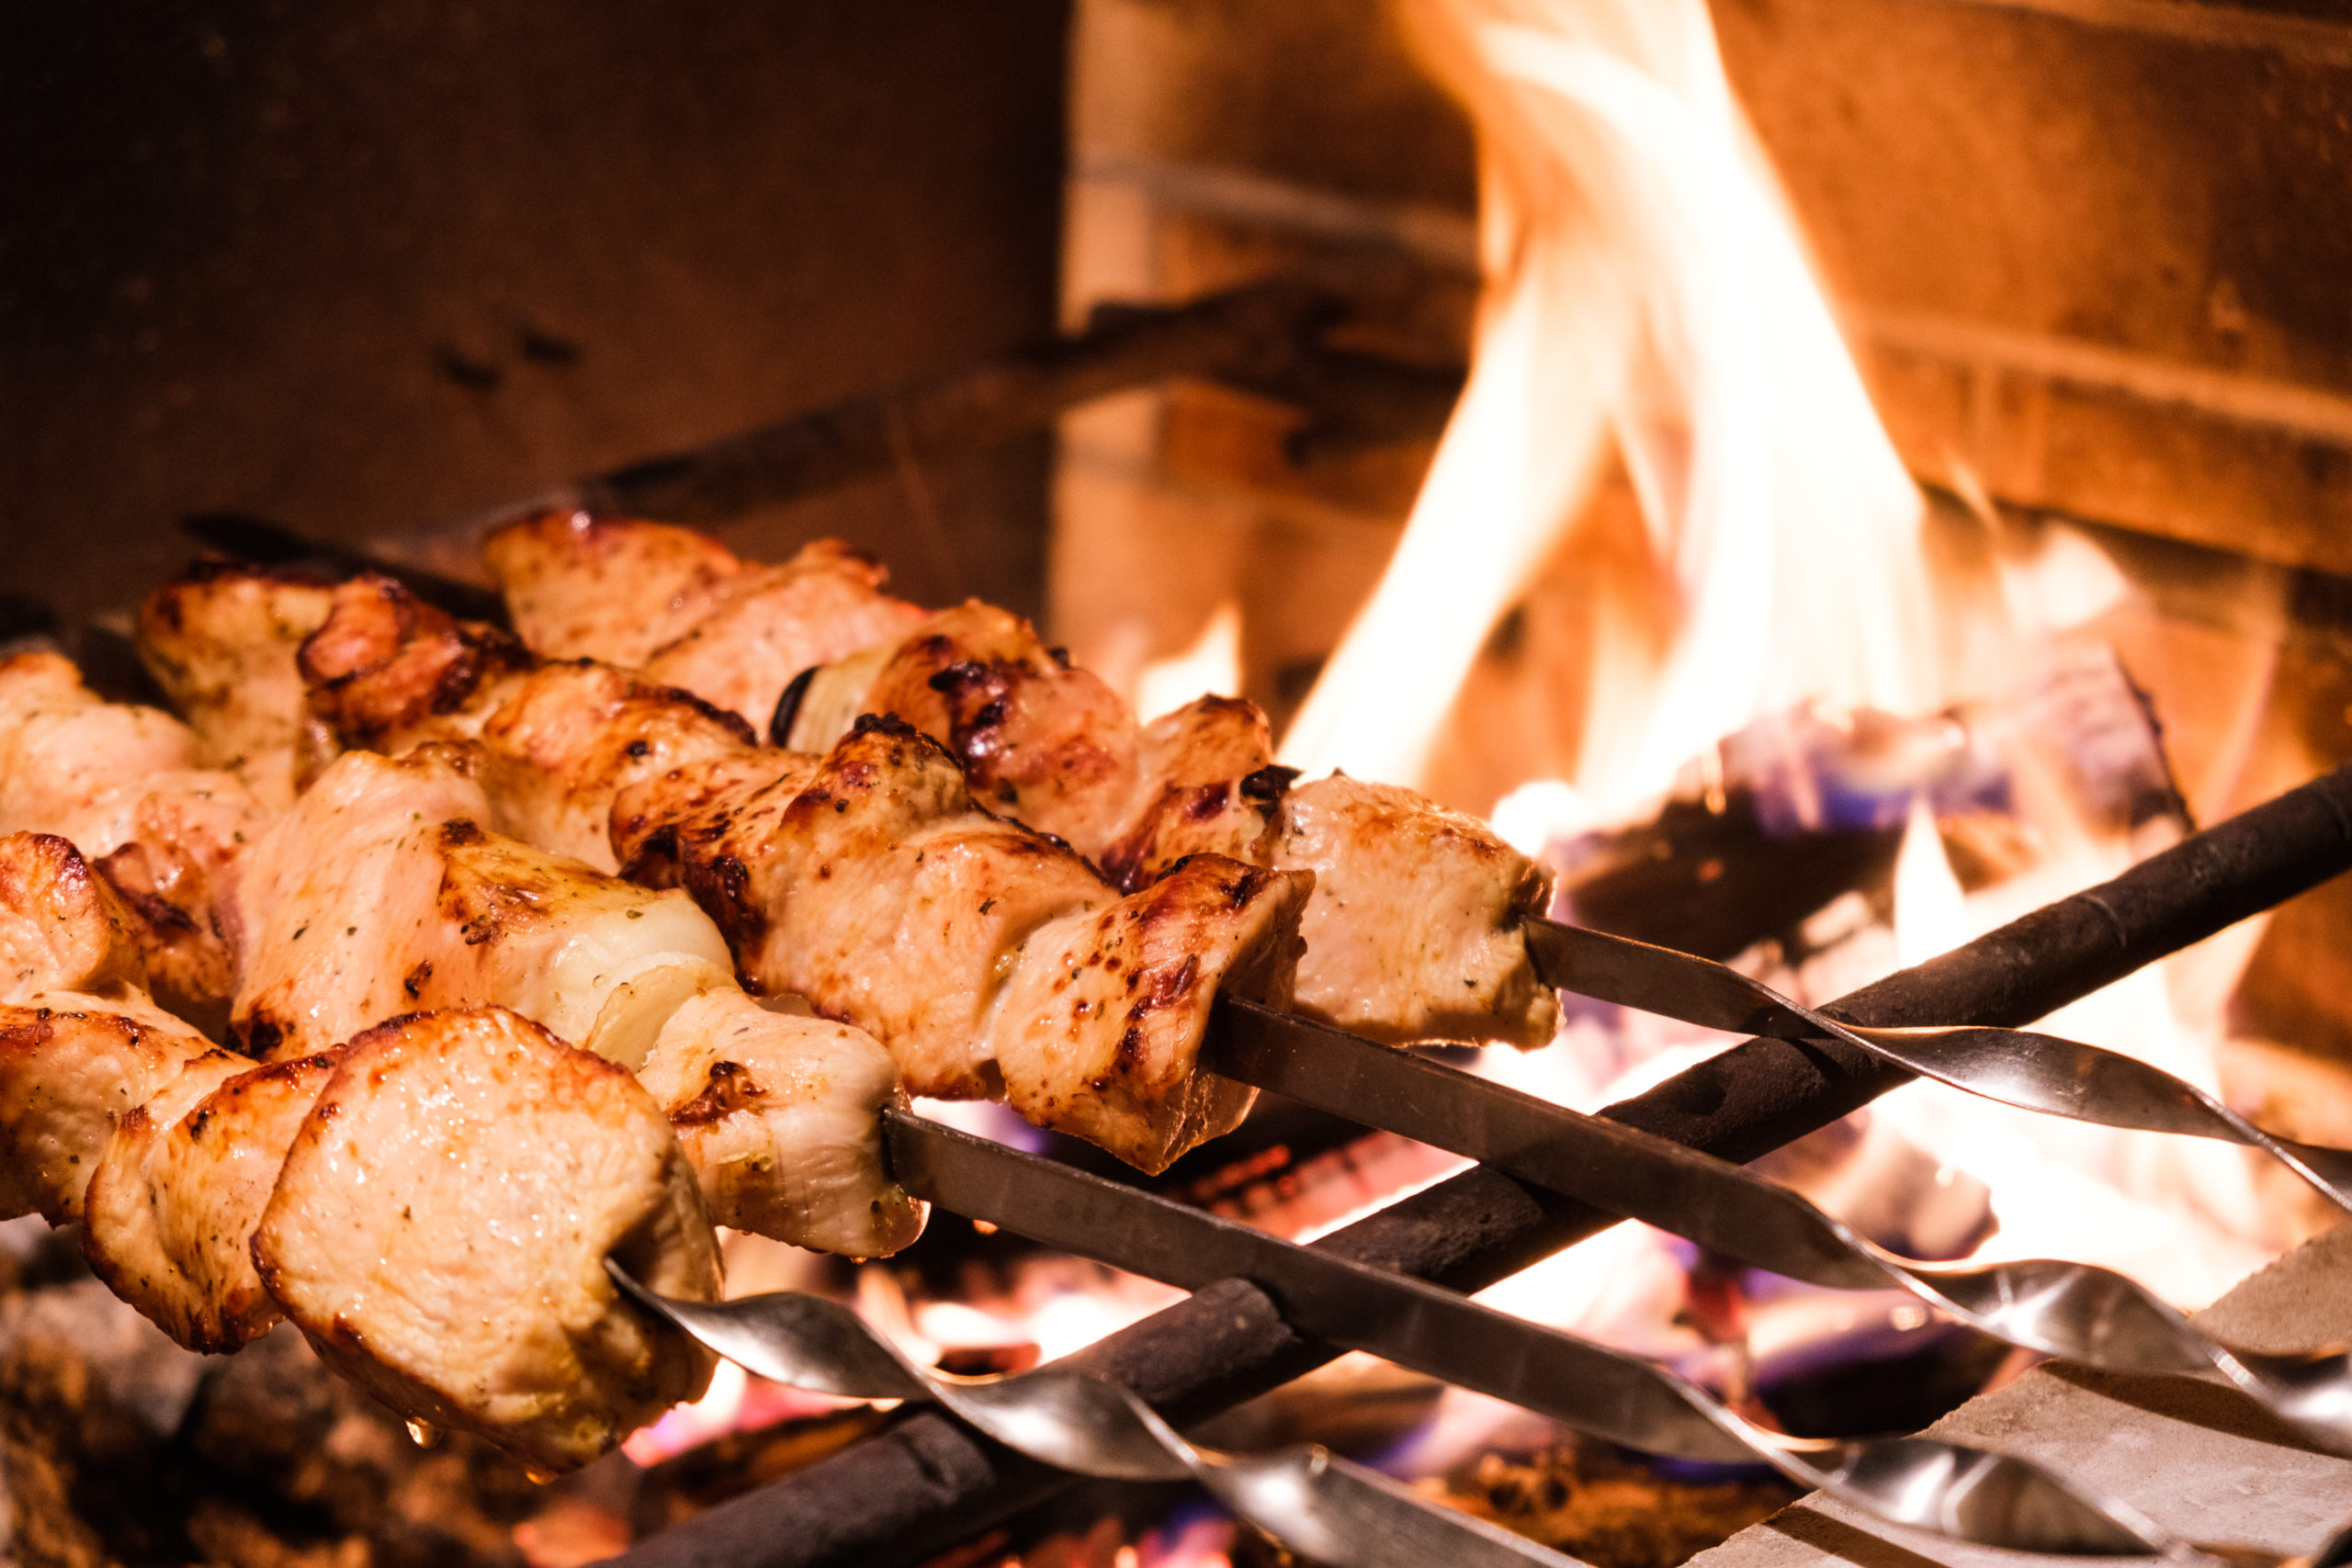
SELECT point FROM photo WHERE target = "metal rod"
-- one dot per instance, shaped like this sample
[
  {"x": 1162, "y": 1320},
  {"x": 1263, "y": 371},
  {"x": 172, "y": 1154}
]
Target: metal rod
[
  {"x": 926, "y": 1482},
  {"x": 1252, "y": 334}
]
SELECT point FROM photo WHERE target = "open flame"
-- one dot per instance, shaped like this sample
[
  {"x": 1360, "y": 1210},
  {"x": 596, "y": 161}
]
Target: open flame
[{"x": 1646, "y": 283}]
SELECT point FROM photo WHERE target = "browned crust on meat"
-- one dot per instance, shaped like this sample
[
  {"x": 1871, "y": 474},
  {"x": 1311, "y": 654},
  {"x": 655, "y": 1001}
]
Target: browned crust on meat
[
  {"x": 1208, "y": 786},
  {"x": 729, "y": 1087},
  {"x": 385, "y": 661},
  {"x": 1037, "y": 738},
  {"x": 579, "y": 584},
  {"x": 89, "y": 938},
  {"x": 183, "y": 953}
]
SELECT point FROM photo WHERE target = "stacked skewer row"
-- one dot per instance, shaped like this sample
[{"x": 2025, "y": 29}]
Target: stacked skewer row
[{"x": 439, "y": 988}]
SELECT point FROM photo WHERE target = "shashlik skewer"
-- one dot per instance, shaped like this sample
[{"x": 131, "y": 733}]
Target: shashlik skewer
[
  {"x": 1960, "y": 1058},
  {"x": 432, "y": 1202},
  {"x": 379, "y": 894},
  {"x": 552, "y": 1371},
  {"x": 991, "y": 959},
  {"x": 1052, "y": 746}
]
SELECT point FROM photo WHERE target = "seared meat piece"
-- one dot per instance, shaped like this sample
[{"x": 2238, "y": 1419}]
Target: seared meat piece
[
  {"x": 81, "y": 1044},
  {"x": 771, "y": 622},
  {"x": 1415, "y": 930},
  {"x": 440, "y": 1227},
  {"x": 385, "y": 664},
  {"x": 680, "y": 605},
  {"x": 1099, "y": 1029},
  {"x": 780, "y": 1115},
  {"x": 1037, "y": 739},
  {"x": 1417, "y": 927},
  {"x": 221, "y": 641},
  {"x": 169, "y": 1219},
  {"x": 1206, "y": 785},
  {"x": 561, "y": 739},
  {"x": 67, "y": 757},
  {"x": 379, "y": 894},
  {"x": 579, "y": 586},
  {"x": 119, "y": 782},
  {"x": 983, "y": 954},
  {"x": 61, "y": 928},
  {"x": 70, "y": 1065},
  {"x": 565, "y": 740}
]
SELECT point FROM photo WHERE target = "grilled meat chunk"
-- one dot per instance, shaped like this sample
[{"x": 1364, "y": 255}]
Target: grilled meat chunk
[
  {"x": 1100, "y": 1027},
  {"x": 1205, "y": 785},
  {"x": 71, "y": 1065},
  {"x": 67, "y": 756},
  {"x": 871, "y": 884},
  {"x": 565, "y": 740},
  {"x": 379, "y": 894},
  {"x": 579, "y": 586},
  {"x": 559, "y": 740},
  {"x": 169, "y": 1218},
  {"x": 81, "y": 1044},
  {"x": 221, "y": 642},
  {"x": 61, "y": 928},
  {"x": 119, "y": 782},
  {"x": 1417, "y": 928},
  {"x": 440, "y": 1227},
  {"x": 680, "y": 605},
  {"x": 769, "y": 624},
  {"x": 780, "y": 1115},
  {"x": 384, "y": 665},
  {"x": 1037, "y": 738}
]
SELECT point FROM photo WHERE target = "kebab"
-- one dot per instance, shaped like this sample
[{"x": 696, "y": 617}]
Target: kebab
[
  {"x": 991, "y": 959},
  {"x": 969, "y": 1007},
  {"x": 379, "y": 893},
  {"x": 217, "y": 1195},
  {"x": 1054, "y": 747}
]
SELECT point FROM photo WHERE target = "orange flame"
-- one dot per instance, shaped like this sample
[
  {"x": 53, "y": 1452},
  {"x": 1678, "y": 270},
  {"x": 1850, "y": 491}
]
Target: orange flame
[{"x": 1645, "y": 282}]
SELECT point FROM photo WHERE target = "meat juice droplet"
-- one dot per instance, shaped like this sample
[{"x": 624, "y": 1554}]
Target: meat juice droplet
[{"x": 424, "y": 1434}]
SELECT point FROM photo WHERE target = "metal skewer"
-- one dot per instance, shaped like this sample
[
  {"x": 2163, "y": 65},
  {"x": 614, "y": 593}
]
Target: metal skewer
[
  {"x": 1926, "y": 1482},
  {"x": 2073, "y": 1310},
  {"x": 2015, "y": 1066},
  {"x": 1311, "y": 1500}
]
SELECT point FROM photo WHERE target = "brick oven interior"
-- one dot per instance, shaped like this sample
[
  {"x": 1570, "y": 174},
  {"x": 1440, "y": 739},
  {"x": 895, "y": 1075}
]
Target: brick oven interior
[{"x": 367, "y": 273}]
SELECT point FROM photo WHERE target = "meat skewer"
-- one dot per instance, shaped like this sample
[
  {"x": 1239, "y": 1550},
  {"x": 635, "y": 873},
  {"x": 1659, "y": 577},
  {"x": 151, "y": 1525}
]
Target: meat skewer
[
  {"x": 380, "y": 894},
  {"x": 989, "y": 959},
  {"x": 432, "y": 1202},
  {"x": 1055, "y": 748}
]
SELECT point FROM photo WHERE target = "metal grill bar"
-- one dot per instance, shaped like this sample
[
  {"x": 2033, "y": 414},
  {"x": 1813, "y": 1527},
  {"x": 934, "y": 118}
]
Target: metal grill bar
[{"x": 927, "y": 1481}]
